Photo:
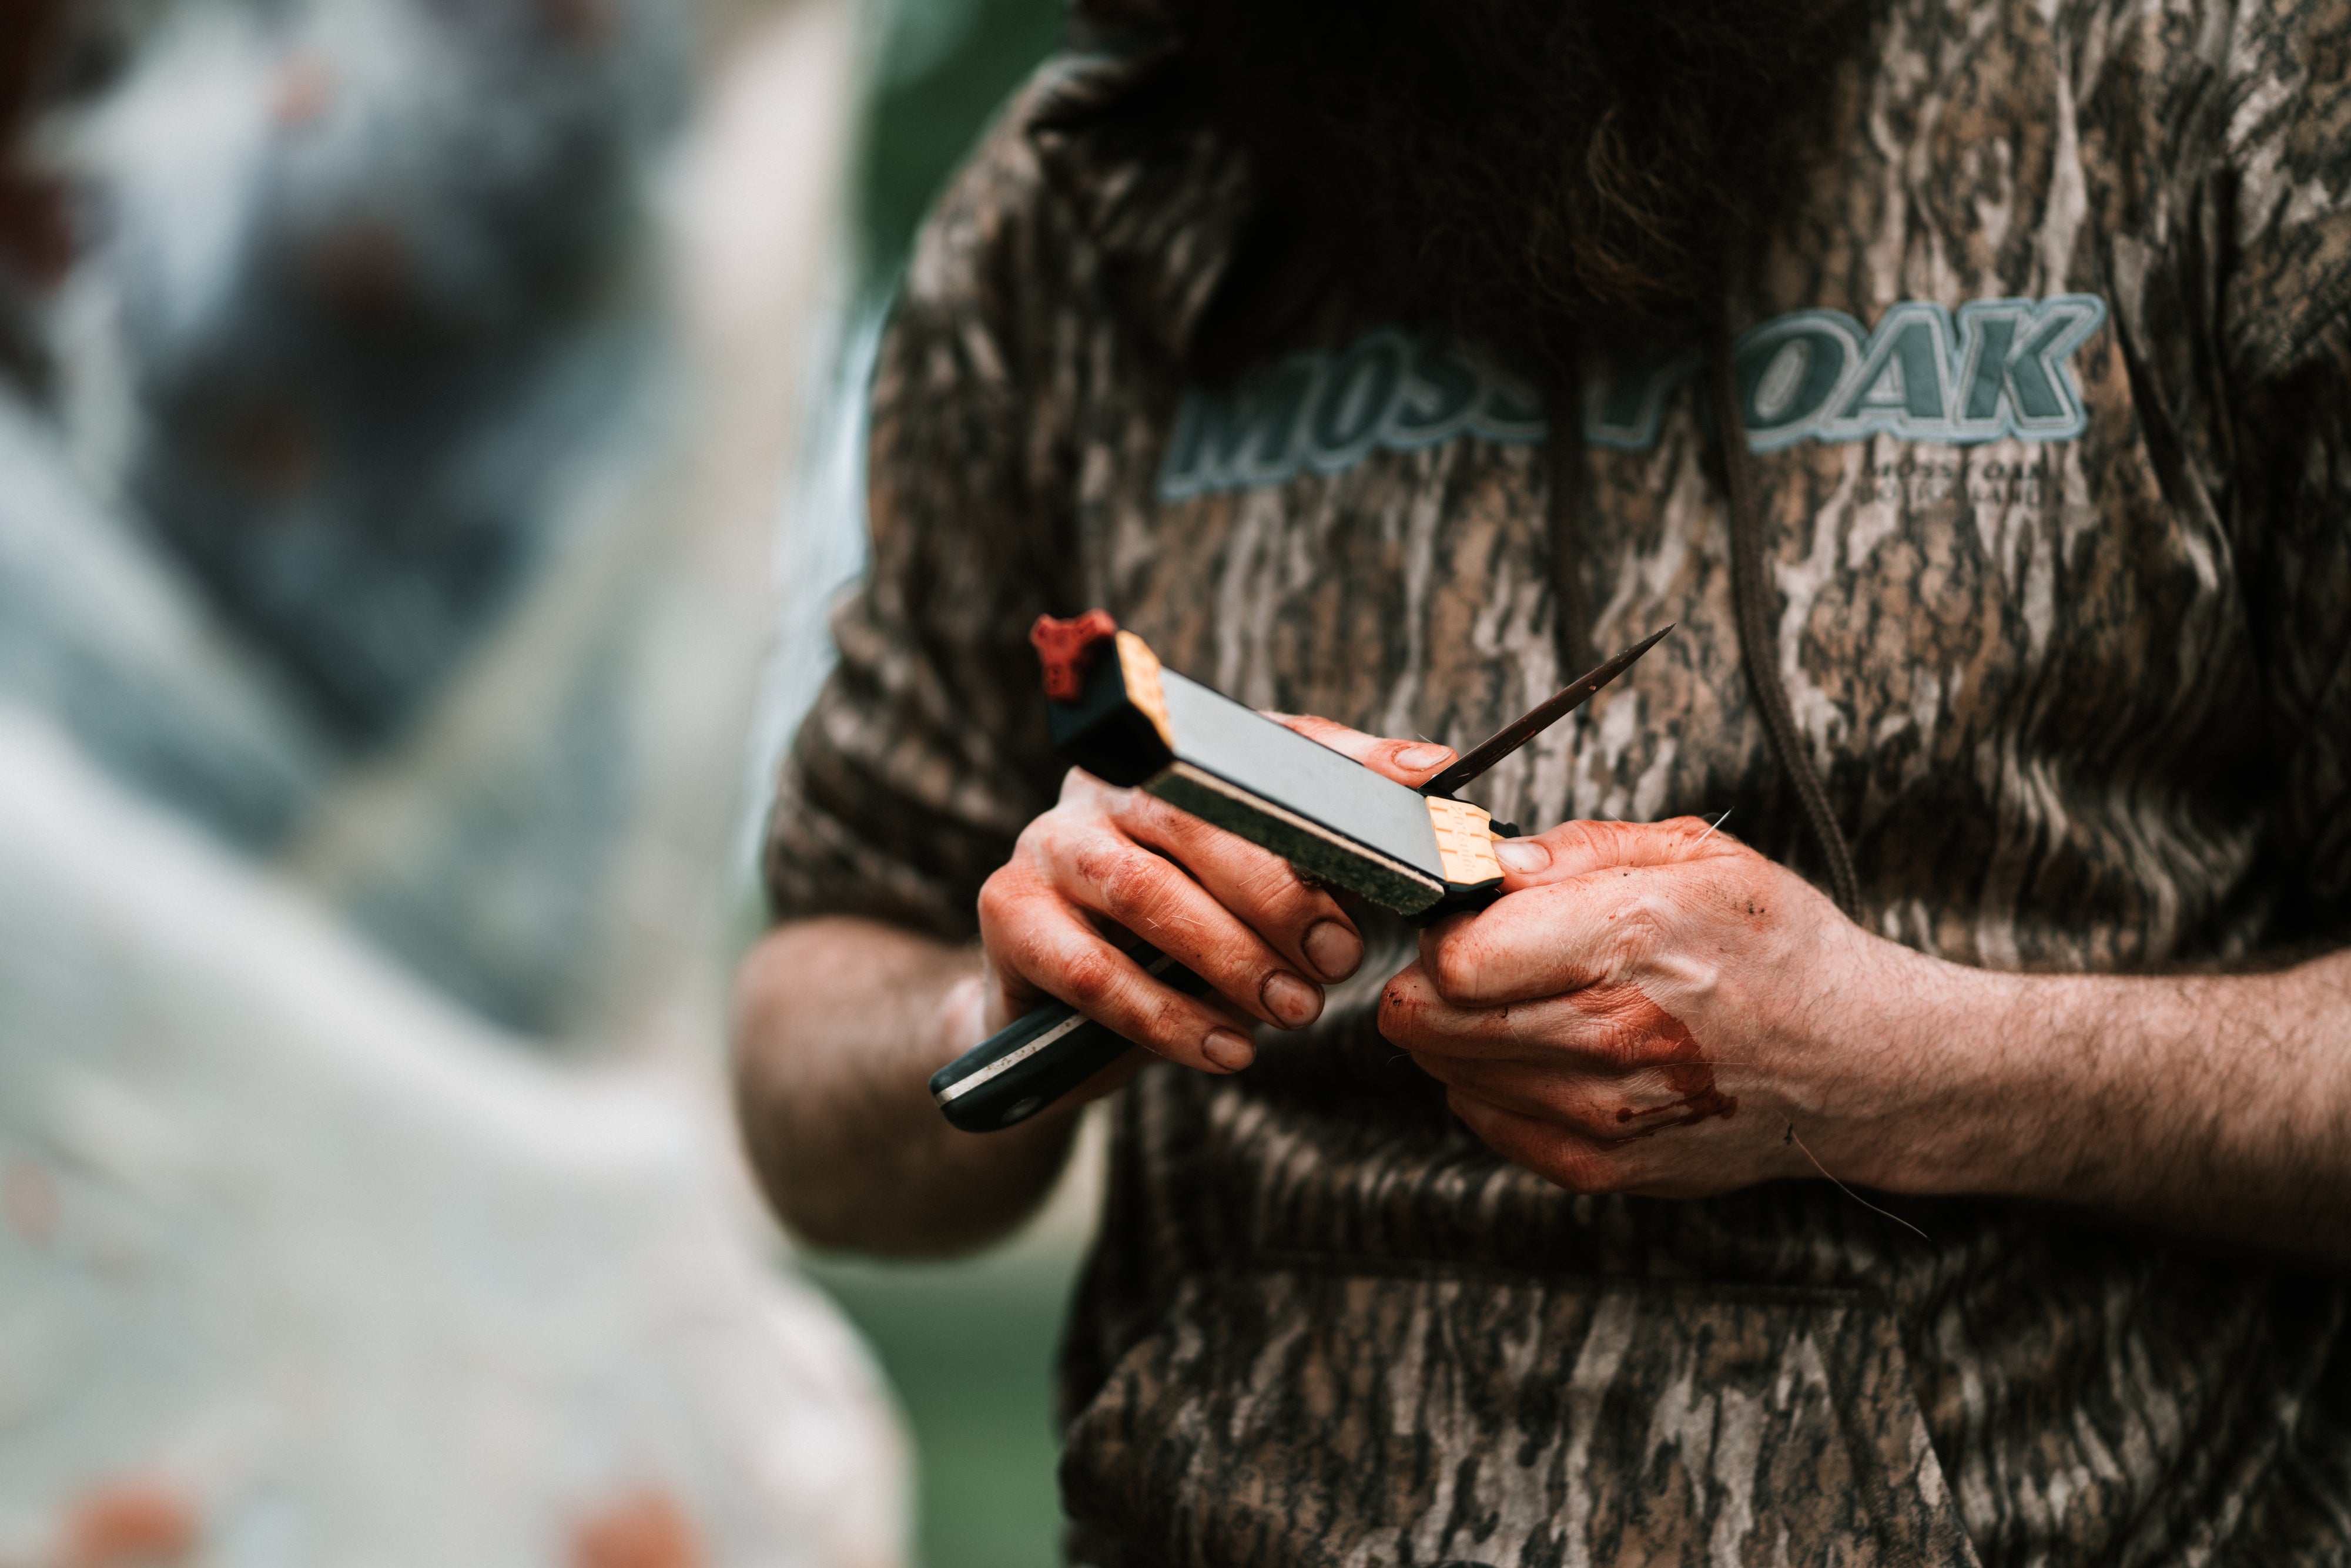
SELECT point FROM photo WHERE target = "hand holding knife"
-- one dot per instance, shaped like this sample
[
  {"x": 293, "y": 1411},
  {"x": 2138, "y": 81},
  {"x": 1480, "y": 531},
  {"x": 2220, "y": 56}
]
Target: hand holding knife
[{"x": 1119, "y": 714}]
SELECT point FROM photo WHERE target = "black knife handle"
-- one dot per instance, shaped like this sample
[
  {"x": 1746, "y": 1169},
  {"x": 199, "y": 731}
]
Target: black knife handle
[{"x": 1034, "y": 1061}]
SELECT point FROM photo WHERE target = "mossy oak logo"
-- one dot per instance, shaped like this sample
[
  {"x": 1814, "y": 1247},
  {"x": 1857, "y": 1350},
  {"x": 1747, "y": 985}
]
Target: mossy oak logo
[
  {"x": 1998, "y": 370},
  {"x": 1324, "y": 412}
]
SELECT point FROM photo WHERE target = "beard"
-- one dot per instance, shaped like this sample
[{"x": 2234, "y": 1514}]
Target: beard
[{"x": 1546, "y": 178}]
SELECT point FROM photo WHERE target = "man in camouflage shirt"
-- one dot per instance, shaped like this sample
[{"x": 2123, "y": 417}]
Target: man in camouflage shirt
[{"x": 1971, "y": 385}]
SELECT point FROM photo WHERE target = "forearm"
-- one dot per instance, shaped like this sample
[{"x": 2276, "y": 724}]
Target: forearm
[
  {"x": 838, "y": 1024},
  {"x": 2218, "y": 1105}
]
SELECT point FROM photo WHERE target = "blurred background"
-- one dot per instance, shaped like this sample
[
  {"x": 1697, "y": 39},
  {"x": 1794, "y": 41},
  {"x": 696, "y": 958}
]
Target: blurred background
[{"x": 429, "y": 439}]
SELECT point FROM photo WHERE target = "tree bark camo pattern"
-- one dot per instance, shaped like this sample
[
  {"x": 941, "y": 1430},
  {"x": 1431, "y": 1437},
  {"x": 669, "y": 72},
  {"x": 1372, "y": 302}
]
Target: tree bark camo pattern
[{"x": 2080, "y": 705}]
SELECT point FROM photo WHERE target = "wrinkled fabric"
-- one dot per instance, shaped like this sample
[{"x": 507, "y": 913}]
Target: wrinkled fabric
[{"x": 2063, "y": 626}]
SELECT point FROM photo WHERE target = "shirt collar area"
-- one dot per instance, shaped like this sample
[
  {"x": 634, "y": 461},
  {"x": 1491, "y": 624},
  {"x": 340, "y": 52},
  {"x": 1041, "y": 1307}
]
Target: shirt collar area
[{"x": 1120, "y": 135}]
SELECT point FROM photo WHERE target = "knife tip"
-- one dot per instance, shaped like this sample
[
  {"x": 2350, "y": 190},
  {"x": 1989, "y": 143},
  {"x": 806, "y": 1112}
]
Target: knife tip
[{"x": 1649, "y": 641}]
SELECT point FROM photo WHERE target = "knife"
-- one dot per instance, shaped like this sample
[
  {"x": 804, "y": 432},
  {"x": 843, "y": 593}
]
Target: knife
[{"x": 1039, "y": 1057}]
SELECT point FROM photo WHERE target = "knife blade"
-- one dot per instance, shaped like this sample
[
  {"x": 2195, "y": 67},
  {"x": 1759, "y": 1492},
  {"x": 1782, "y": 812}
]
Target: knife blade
[{"x": 1540, "y": 717}]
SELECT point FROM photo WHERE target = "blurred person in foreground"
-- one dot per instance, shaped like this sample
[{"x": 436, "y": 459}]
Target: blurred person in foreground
[
  {"x": 304, "y": 1259},
  {"x": 1969, "y": 385}
]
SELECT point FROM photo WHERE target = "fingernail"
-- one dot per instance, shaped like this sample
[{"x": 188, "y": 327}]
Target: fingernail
[
  {"x": 1333, "y": 949},
  {"x": 1228, "y": 1049},
  {"x": 1291, "y": 999},
  {"x": 1524, "y": 856},
  {"x": 1418, "y": 757}
]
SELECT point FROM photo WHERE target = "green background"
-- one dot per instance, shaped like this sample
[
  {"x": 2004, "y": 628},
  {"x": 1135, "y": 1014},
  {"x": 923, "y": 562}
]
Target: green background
[
  {"x": 968, "y": 1349},
  {"x": 942, "y": 69}
]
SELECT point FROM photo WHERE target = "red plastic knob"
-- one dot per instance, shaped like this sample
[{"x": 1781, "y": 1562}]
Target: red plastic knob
[{"x": 1067, "y": 649}]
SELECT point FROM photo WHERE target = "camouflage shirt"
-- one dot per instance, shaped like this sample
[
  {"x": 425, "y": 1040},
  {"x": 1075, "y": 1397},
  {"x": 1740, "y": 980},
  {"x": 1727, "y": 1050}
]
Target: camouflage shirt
[{"x": 2048, "y": 375}]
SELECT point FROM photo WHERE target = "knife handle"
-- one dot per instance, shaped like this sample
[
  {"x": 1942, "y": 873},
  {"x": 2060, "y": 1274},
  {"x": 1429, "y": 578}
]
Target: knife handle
[{"x": 1034, "y": 1061}]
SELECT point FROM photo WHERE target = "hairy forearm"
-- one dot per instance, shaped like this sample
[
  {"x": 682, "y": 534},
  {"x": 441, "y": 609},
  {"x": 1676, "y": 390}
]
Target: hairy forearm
[
  {"x": 838, "y": 1024},
  {"x": 2218, "y": 1105}
]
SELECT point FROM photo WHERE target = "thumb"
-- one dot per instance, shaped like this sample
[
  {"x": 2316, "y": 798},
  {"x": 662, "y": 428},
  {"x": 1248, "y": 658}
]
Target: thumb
[
  {"x": 1412, "y": 762},
  {"x": 1578, "y": 849}
]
